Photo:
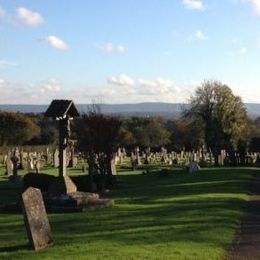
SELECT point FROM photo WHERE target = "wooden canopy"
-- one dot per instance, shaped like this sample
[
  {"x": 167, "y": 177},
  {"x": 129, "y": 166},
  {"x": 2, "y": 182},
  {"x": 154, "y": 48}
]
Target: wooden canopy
[{"x": 61, "y": 108}]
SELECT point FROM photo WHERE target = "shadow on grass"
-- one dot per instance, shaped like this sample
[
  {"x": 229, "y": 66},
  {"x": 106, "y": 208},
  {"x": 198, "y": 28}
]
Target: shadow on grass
[
  {"x": 203, "y": 207},
  {"x": 15, "y": 248}
]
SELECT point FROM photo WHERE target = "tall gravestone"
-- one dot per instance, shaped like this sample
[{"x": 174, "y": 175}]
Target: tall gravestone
[
  {"x": 9, "y": 166},
  {"x": 56, "y": 158},
  {"x": 35, "y": 218}
]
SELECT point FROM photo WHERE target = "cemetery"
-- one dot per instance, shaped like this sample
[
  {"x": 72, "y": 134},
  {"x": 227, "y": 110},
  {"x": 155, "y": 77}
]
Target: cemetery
[
  {"x": 130, "y": 130},
  {"x": 57, "y": 201}
]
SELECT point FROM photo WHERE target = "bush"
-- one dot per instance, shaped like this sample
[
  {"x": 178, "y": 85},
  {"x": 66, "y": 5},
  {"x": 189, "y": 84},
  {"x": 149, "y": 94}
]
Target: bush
[
  {"x": 42, "y": 181},
  {"x": 38, "y": 180}
]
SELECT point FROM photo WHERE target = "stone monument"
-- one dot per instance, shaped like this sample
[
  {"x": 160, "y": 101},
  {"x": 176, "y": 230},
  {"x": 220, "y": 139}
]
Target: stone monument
[
  {"x": 35, "y": 219},
  {"x": 63, "y": 111}
]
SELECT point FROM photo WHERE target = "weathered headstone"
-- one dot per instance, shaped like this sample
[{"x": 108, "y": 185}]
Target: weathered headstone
[
  {"x": 37, "y": 166},
  {"x": 36, "y": 220},
  {"x": 194, "y": 166},
  {"x": 113, "y": 167},
  {"x": 56, "y": 159},
  {"x": 9, "y": 166},
  {"x": 15, "y": 161},
  {"x": 30, "y": 165}
]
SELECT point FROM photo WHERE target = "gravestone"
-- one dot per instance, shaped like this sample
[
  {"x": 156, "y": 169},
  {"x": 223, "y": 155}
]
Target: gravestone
[
  {"x": 194, "y": 166},
  {"x": 35, "y": 219},
  {"x": 30, "y": 165},
  {"x": 9, "y": 166},
  {"x": 56, "y": 159},
  {"x": 15, "y": 161},
  {"x": 113, "y": 167},
  {"x": 37, "y": 166}
]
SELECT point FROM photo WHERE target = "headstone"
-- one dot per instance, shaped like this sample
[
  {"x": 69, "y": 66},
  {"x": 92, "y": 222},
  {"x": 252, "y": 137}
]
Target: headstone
[
  {"x": 21, "y": 155},
  {"x": 56, "y": 159},
  {"x": 133, "y": 161},
  {"x": 37, "y": 166},
  {"x": 9, "y": 166},
  {"x": 30, "y": 164},
  {"x": 113, "y": 167},
  {"x": 194, "y": 166},
  {"x": 15, "y": 161},
  {"x": 36, "y": 220}
]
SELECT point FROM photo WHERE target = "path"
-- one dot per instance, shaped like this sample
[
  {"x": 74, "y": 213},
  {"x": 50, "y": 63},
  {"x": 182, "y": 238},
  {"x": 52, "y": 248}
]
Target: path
[{"x": 247, "y": 244}]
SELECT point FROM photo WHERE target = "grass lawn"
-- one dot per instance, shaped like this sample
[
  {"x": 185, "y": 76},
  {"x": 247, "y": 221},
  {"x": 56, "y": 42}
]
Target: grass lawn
[{"x": 182, "y": 216}]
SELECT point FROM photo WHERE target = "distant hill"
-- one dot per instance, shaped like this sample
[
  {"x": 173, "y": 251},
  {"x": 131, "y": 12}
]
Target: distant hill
[{"x": 167, "y": 110}]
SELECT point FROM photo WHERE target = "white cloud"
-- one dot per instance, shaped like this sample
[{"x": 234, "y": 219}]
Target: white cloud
[
  {"x": 50, "y": 86},
  {"x": 56, "y": 42},
  {"x": 6, "y": 63},
  {"x": 255, "y": 5},
  {"x": 159, "y": 86},
  {"x": 200, "y": 36},
  {"x": 239, "y": 52},
  {"x": 28, "y": 17},
  {"x": 112, "y": 48},
  {"x": 13, "y": 92},
  {"x": 242, "y": 51},
  {"x": 2, "y": 13},
  {"x": 121, "y": 80},
  {"x": 2, "y": 82},
  {"x": 193, "y": 4},
  {"x": 159, "y": 90}
]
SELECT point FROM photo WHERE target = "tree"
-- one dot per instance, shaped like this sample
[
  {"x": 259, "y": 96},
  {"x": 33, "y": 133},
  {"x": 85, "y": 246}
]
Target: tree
[
  {"x": 98, "y": 138},
  {"x": 16, "y": 128},
  {"x": 221, "y": 114},
  {"x": 145, "y": 132},
  {"x": 184, "y": 135}
]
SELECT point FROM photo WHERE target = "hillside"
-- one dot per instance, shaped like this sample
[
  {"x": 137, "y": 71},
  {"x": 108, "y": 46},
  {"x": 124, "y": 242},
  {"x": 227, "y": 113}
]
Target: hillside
[{"x": 167, "y": 110}]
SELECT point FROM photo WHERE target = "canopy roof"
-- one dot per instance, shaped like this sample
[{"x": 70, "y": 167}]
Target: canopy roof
[{"x": 61, "y": 108}]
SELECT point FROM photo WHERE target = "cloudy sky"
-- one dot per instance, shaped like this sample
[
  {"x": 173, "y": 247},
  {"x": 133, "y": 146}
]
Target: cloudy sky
[{"x": 126, "y": 51}]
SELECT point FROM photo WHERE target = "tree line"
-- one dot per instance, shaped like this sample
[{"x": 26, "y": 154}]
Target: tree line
[{"x": 215, "y": 118}]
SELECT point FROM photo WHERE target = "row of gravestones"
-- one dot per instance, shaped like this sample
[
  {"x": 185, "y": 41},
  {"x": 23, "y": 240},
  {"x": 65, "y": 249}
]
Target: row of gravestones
[
  {"x": 32, "y": 161},
  {"x": 71, "y": 159},
  {"x": 185, "y": 158}
]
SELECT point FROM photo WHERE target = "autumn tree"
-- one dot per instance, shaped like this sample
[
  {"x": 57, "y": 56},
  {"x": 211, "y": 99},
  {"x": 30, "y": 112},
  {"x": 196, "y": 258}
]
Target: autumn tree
[
  {"x": 98, "y": 139},
  {"x": 145, "y": 132},
  {"x": 16, "y": 128},
  {"x": 221, "y": 114},
  {"x": 184, "y": 135}
]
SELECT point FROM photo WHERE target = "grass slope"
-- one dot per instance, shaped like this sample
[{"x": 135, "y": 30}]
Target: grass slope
[{"x": 183, "y": 216}]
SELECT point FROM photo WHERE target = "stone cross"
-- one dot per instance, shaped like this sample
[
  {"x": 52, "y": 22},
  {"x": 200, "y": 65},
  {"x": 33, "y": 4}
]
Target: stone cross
[{"x": 35, "y": 219}]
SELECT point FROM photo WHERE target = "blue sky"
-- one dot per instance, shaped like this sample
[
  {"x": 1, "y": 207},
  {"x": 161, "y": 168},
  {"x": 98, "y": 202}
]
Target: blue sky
[{"x": 119, "y": 51}]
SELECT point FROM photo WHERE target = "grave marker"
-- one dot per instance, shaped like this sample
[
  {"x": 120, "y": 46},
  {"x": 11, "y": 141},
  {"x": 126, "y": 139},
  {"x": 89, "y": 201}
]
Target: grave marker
[{"x": 35, "y": 218}]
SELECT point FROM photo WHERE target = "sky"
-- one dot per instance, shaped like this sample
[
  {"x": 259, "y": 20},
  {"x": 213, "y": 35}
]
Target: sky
[{"x": 127, "y": 51}]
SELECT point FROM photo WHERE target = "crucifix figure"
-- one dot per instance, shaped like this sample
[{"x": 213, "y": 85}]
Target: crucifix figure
[{"x": 63, "y": 111}]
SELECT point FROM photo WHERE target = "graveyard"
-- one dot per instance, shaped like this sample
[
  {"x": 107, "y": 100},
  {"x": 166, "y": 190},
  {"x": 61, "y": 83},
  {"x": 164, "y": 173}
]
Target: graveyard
[
  {"x": 180, "y": 215},
  {"x": 89, "y": 197},
  {"x": 130, "y": 130}
]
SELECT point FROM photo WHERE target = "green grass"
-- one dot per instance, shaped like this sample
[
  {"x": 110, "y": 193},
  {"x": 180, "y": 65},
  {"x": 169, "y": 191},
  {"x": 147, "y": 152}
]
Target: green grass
[{"x": 183, "y": 216}]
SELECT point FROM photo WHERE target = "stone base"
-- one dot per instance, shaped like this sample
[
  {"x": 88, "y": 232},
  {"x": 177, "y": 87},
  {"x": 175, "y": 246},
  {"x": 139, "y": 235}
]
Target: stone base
[
  {"x": 75, "y": 202},
  {"x": 61, "y": 186}
]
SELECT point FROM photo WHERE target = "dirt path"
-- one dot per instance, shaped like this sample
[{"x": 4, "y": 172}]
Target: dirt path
[{"x": 247, "y": 244}]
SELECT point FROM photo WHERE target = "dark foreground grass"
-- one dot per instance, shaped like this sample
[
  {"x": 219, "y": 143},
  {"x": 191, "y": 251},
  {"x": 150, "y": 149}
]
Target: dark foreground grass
[{"x": 182, "y": 216}]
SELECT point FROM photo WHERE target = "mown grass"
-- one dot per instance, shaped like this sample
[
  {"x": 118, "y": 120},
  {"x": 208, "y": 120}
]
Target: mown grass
[{"x": 181, "y": 216}]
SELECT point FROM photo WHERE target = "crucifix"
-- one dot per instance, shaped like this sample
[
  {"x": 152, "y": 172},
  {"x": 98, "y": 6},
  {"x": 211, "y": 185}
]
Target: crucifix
[{"x": 63, "y": 111}]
